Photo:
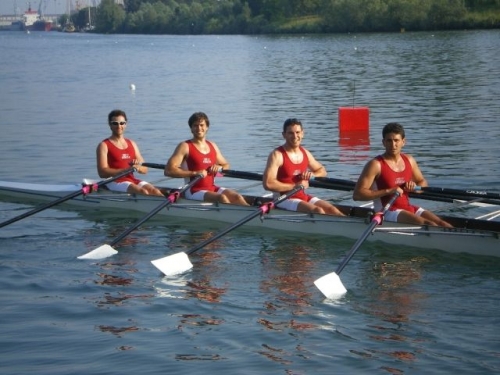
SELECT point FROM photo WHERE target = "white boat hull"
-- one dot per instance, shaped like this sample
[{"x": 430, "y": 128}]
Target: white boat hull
[{"x": 478, "y": 242}]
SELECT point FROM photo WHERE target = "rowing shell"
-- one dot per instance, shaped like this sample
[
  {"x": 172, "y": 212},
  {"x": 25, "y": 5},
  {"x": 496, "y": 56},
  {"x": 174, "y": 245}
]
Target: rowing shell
[{"x": 479, "y": 237}]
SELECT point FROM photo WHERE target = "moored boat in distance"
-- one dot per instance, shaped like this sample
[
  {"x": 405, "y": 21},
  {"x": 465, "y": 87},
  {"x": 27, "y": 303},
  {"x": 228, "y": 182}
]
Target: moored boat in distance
[
  {"x": 69, "y": 28},
  {"x": 33, "y": 21},
  {"x": 479, "y": 237},
  {"x": 16, "y": 26},
  {"x": 42, "y": 25}
]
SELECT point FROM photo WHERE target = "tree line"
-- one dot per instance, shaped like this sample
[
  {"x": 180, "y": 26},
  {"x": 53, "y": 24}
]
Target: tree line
[{"x": 289, "y": 16}]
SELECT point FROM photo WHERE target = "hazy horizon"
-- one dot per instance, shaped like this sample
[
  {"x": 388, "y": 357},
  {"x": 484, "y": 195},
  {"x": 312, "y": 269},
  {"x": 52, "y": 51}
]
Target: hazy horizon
[{"x": 9, "y": 7}]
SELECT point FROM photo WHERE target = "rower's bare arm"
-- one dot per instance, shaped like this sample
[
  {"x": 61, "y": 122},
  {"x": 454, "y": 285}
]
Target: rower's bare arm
[
  {"x": 363, "y": 191},
  {"x": 221, "y": 161},
  {"x": 139, "y": 160},
  {"x": 270, "y": 178},
  {"x": 173, "y": 167},
  {"x": 317, "y": 169},
  {"x": 103, "y": 168},
  {"x": 418, "y": 177}
]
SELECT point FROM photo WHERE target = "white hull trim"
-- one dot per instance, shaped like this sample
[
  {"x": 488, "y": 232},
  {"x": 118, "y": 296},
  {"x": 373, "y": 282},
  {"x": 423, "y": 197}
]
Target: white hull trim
[{"x": 476, "y": 242}]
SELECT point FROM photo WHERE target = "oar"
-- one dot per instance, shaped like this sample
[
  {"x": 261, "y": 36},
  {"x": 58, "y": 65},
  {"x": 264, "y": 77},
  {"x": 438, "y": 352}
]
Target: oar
[
  {"x": 317, "y": 182},
  {"x": 460, "y": 193},
  {"x": 86, "y": 189},
  {"x": 431, "y": 194},
  {"x": 330, "y": 284},
  {"x": 179, "y": 262},
  {"x": 107, "y": 250},
  {"x": 154, "y": 165}
]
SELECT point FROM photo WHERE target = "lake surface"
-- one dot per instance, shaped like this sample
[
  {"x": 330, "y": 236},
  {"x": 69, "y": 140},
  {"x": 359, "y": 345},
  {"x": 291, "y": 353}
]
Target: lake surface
[{"x": 249, "y": 305}]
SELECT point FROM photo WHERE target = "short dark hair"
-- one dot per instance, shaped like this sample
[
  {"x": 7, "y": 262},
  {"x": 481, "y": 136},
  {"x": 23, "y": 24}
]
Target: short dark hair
[
  {"x": 116, "y": 113},
  {"x": 291, "y": 122},
  {"x": 393, "y": 127},
  {"x": 197, "y": 117}
]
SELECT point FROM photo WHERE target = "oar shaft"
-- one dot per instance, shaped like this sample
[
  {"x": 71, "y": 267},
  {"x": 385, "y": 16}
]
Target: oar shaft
[
  {"x": 224, "y": 232},
  {"x": 356, "y": 246},
  {"x": 154, "y": 165},
  {"x": 172, "y": 197},
  {"x": 263, "y": 209},
  {"x": 140, "y": 222},
  {"x": 467, "y": 192},
  {"x": 84, "y": 190},
  {"x": 317, "y": 182},
  {"x": 429, "y": 193},
  {"x": 377, "y": 219}
]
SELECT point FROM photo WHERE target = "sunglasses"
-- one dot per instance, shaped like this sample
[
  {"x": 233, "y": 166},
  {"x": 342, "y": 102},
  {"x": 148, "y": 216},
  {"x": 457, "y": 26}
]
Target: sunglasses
[{"x": 116, "y": 123}]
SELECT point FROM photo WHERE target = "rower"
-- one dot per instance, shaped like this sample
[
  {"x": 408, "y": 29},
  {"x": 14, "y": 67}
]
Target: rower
[{"x": 395, "y": 172}]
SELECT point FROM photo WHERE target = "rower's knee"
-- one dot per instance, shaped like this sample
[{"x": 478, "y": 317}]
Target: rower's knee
[
  {"x": 335, "y": 212},
  {"x": 224, "y": 199},
  {"x": 145, "y": 191},
  {"x": 318, "y": 210},
  {"x": 445, "y": 224}
]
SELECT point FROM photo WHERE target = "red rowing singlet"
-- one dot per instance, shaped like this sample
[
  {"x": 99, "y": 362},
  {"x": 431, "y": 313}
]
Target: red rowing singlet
[
  {"x": 287, "y": 173},
  {"x": 118, "y": 158},
  {"x": 388, "y": 179},
  {"x": 198, "y": 161}
]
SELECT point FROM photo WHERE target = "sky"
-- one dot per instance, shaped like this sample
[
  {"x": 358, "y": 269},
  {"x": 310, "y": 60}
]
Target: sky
[{"x": 48, "y": 6}]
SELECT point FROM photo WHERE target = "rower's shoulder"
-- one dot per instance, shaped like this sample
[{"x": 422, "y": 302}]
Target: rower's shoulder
[
  {"x": 103, "y": 145},
  {"x": 408, "y": 156},
  {"x": 373, "y": 166}
]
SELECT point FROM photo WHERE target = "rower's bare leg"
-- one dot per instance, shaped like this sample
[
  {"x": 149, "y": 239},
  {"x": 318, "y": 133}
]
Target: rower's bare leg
[
  {"x": 436, "y": 219},
  {"x": 424, "y": 219},
  {"x": 309, "y": 208},
  {"x": 328, "y": 208},
  {"x": 147, "y": 189},
  {"x": 234, "y": 197}
]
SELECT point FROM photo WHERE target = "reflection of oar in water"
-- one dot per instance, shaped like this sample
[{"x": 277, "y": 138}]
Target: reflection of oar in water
[
  {"x": 330, "y": 284},
  {"x": 86, "y": 189},
  {"x": 179, "y": 262},
  {"x": 106, "y": 250}
]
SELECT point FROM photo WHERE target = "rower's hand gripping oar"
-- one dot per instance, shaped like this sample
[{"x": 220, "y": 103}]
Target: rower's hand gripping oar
[
  {"x": 179, "y": 262},
  {"x": 86, "y": 189},
  {"x": 107, "y": 250},
  {"x": 330, "y": 284}
]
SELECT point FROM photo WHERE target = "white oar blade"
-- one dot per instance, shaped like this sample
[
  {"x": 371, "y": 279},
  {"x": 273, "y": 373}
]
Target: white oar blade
[
  {"x": 331, "y": 286},
  {"x": 101, "y": 252},
  {"x": 173, "y": 264}
]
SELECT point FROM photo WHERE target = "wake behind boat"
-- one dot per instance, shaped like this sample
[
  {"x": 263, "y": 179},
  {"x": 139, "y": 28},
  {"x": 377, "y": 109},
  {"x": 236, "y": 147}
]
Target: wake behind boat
[{"x": 473, "y": 236}]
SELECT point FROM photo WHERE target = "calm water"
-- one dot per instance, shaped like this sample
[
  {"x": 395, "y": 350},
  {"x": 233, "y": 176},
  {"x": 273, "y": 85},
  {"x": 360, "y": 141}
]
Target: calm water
[{"x": 249, "y": 305}]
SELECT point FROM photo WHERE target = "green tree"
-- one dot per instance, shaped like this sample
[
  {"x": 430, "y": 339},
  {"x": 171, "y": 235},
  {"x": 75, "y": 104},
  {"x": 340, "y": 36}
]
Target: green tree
[
  {"x": 446, "y": 14},
  {"x": 110, "y": 17}
]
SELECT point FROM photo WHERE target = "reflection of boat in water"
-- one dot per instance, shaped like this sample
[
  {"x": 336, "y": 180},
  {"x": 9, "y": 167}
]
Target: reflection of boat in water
[{"x": 33, "y": 21}]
